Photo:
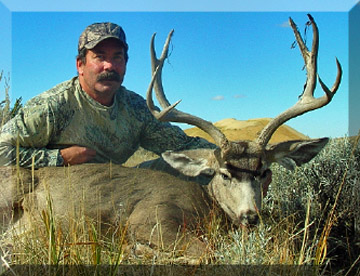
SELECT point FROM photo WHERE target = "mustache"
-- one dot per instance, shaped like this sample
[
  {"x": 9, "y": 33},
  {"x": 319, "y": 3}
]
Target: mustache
[{"x": 108, "y": 76}]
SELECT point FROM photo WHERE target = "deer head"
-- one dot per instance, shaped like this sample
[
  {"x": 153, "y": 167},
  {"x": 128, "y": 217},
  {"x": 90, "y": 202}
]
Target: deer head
[{"x": 240, "y": 169}]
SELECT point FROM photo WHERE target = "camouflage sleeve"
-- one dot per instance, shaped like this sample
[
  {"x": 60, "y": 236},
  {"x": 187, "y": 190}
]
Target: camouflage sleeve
[
  {"x": 160, "y": 137},
  {"x": 157, "y": 136},
  {"x": 25, "y": 137}
]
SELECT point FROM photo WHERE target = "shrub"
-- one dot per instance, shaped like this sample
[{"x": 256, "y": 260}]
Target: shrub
[{"x": 328, "y": 187}]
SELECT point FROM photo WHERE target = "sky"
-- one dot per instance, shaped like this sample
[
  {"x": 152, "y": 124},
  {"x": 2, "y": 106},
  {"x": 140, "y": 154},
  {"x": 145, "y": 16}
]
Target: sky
[{"x": 222, "y": 64}]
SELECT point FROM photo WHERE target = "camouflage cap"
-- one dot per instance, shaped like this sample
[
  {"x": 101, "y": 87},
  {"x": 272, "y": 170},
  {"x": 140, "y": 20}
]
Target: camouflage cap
[{"x": 97, "y": 32}]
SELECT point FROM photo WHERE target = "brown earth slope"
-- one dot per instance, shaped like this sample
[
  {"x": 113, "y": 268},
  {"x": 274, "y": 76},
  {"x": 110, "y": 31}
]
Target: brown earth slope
[{"x": 247, "y": 130}]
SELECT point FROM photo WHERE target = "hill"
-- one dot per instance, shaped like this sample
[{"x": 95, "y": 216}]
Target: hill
[{"x": 247, "y": 130}]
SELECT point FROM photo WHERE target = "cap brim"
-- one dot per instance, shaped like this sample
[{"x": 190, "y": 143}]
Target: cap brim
[{"x": 92, "y": 44}]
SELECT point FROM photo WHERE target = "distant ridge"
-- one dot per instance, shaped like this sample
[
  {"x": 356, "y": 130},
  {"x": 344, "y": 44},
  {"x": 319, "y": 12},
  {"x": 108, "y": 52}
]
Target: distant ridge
[{"x": 247, "y": 130}]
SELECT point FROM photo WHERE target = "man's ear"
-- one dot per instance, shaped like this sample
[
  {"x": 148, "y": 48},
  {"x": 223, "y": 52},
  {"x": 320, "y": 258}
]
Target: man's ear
[
  {"x": 79, "y": 65},
  {"x": 186, "y": 164},
  {"x": 294, "y": 153}
]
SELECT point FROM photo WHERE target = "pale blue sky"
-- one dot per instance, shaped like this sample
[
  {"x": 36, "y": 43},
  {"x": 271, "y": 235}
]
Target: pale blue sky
[{"x": 222, "y": 64}]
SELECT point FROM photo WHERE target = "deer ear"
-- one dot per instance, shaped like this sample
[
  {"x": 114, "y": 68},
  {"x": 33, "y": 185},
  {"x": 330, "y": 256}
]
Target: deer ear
[
  {"x": 294, "y": 153},
  {"x": 187, "y": 165}
]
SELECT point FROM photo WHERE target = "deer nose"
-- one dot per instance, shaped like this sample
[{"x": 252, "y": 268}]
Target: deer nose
[{"x": 249, "y": 219}]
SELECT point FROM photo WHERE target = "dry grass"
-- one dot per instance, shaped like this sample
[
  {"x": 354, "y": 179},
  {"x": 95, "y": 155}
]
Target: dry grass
[
  {"x": 298, "y": 227},
  {"x": 139, "y": 156}
]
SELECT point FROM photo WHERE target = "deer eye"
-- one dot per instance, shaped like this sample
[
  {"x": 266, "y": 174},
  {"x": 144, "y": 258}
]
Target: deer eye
[
  {"x": 253, "y": 177},
  {"x": 257, "y": 175},
  {"x": 225, "y": 175}
]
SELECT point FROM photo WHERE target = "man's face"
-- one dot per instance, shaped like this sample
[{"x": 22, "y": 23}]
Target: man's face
[{"x": 103, "y": 72}]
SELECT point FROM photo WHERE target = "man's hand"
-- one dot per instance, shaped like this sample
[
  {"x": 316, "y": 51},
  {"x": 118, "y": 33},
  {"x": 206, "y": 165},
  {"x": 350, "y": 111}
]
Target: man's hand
[{"x": 77, "y": 155}]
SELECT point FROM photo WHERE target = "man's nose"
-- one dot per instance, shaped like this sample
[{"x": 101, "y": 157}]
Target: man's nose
[{"x": 108, "y": 65}]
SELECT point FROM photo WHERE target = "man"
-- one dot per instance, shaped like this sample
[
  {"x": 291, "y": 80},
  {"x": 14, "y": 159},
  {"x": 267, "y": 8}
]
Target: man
[{"x": 90, "y": 118}]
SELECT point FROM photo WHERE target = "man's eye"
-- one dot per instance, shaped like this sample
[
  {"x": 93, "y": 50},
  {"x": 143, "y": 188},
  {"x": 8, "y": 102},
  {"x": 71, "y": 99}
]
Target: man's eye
[
  {"x": 99, "y": 57},
  {"x": 119, "y": 59}
]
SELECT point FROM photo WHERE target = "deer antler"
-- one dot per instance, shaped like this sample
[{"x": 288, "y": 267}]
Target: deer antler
[
  {"x": 307, "y": 102},
  {"x": 170, "y": 114}
]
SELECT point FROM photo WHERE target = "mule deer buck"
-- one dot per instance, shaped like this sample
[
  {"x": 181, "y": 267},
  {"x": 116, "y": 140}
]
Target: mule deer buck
[{"x": 239, "y": 170}]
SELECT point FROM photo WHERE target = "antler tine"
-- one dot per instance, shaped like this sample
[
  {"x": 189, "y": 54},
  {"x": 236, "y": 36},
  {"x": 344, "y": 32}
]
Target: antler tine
[
  {"x": 157, "y": 64},
  {"x": 156, "y": 82},
  {"x": 307, "y": 101},
  {"x": 170, "y": 114}
]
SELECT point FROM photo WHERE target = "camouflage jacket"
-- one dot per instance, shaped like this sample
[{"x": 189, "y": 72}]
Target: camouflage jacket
[{"x": 65, "y": 115}]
